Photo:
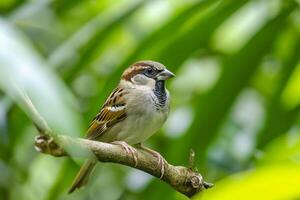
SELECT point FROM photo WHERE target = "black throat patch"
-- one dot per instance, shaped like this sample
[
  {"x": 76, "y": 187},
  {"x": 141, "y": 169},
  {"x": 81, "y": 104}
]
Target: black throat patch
[{"x": 160, "y": 93}]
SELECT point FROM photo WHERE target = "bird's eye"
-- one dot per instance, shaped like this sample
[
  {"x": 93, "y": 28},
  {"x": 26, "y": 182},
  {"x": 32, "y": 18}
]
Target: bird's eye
[{"x": 149, "y": 72}]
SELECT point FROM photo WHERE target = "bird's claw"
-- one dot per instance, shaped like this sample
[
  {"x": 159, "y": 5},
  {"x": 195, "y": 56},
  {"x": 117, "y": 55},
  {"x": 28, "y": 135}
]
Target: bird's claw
[
  {"x": 129, "y": 149},
  {"x": 160, "y": 163},
  {"x": 160, "y": 160}
]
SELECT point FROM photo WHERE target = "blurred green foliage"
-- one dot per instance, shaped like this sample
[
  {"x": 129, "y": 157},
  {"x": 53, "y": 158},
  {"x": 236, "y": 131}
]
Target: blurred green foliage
[{"x": 235, "y": 99}]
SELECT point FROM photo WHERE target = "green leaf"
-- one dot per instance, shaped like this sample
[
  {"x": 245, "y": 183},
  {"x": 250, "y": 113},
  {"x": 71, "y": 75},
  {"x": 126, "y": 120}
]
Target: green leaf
[
  {"x": 291, "y": 94},
  {"x": 274, "y": 182},
  {"x": 95, "y": 32},
  {"x": 238, "y": 69},
  {"x": 8, "y": 6},
  {"x": 282, "y": 110},
  {"x": 289, "y": 151},
  {"x": 198, "y": 35},
  {"x": 164, "y": 34},
  {"x": 23, "y": 72}
]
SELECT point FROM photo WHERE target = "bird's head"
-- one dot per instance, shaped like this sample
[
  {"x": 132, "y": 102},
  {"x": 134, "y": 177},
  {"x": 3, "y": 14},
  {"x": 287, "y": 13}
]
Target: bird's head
[{"x": 146, "y": 73}]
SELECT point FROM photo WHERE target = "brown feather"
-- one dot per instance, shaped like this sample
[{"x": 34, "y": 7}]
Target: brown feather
[
  {"x": 82, "y": 176},
  {"x": 106, "y": 118},
  {"x": 103, "y": 121},
  {"x": 133, "y": 70},
  {"x": 139, "y": 67}
]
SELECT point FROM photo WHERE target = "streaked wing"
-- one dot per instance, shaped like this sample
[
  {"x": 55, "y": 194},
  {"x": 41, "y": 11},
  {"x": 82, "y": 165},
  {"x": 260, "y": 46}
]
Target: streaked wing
[{"x": 112, "y": 112}]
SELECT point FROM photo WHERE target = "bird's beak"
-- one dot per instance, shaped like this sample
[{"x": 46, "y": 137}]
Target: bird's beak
[{"x": 164, "y": 75}]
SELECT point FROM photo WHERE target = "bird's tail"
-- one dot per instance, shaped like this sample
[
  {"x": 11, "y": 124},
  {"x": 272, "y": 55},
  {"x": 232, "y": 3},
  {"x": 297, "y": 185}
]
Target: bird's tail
[{"x": 82, "y": 176}]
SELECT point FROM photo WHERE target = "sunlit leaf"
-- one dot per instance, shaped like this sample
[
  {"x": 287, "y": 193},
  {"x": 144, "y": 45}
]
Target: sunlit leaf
[
  {"x": 289, "y": 151},
  {"x": 271, "y": 182},
  {"x": 291, "y": 94}
]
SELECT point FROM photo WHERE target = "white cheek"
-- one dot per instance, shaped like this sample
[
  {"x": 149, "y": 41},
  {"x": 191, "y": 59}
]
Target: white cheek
[{"x": 141, "y": 79}]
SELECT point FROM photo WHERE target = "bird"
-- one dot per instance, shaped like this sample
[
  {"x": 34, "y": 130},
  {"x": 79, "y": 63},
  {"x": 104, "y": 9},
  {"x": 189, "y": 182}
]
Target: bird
[{"x": 133, "y": 112}]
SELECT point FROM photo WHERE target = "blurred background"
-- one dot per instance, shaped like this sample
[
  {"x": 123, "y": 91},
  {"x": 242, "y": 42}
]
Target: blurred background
[{"x": 235, "y": 99}]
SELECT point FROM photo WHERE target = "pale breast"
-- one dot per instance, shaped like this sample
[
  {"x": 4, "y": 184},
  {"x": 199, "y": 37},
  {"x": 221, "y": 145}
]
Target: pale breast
[{"x": 143, "y": 118}]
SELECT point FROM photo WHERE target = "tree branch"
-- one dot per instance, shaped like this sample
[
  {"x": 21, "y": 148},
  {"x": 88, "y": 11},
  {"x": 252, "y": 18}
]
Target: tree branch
[
  {"x": 185, "y": 180},
  {"x": 182, "y": 179}
]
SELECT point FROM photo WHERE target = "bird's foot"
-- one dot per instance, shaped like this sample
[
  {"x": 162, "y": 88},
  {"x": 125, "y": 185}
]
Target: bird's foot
[
  {"x": 160, "y": 160},
  {"x": 129, "y": 149}
]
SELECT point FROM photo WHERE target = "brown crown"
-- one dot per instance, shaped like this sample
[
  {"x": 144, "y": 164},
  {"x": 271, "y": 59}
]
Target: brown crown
[
  {"x": 133, "y": 70},
  {"x": 140, "y": 66}
]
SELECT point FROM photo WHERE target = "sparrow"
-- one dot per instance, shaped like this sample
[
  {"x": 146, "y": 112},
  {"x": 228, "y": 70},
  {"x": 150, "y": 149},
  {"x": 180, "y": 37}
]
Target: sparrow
[{"x": 133, "y": 112}]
